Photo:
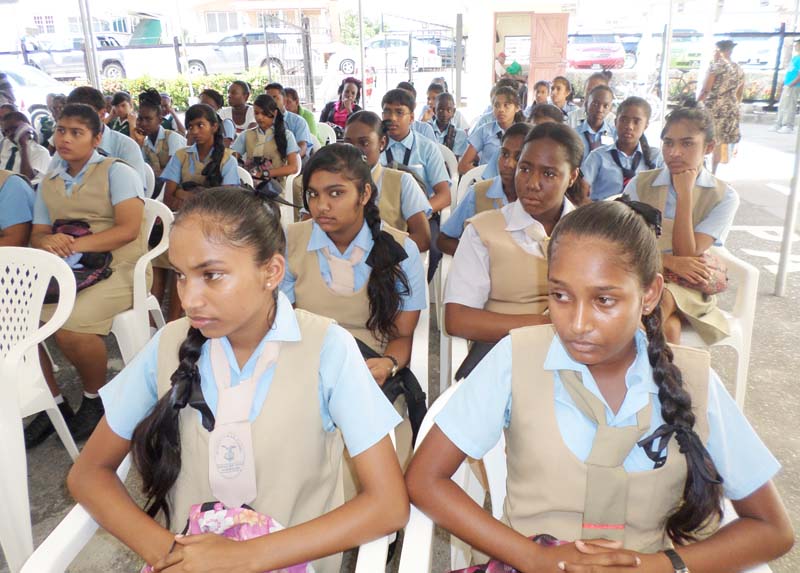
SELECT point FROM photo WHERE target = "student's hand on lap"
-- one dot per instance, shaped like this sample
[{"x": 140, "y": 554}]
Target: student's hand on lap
[
  {"x": 692, "y": 269},
  {"x": 58, "y": 244},
  {"x": 588, "y": 557},
  {"x": 380, "y": 369},
  {"x": 206, "y": 553}
]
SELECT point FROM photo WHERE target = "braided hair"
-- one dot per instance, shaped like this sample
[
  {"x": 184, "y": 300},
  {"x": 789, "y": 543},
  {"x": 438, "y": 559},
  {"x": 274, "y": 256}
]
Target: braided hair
[
  {"x": 386, "y": 255},
  {"x": 213, "y": 169},
  {"x": 268, "y": 106},
  {"x": 626, "y": 227},
  {"x": 151, "y": 99},
  {"x": 641, "y": 103},
  {"x": 238, "y": 217}
]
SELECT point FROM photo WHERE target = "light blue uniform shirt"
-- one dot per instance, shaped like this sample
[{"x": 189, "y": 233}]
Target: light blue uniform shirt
[
  {"x": 116, "y": 144},
  {"x": 423, "y": 129},
  {"x": 123, "y": 184},
  {"x": 228, "y": 128},
  {"x": 426, "y": 160},
  {"x": 454, "y": 226},
  {"x": 229, "y": 169},
  {"x": 175, "y": 141},
  {"x": 458, "y": 118},
  {"x": 587, "y": 133},
  {"x": 413, "y": 199},
  {"x": 240, "y": 145},
  {"x": 487, "y": 140},
  {"x": 16, "y": 202},
  {"x": 717, "y": 223},
  {"x": 412, "y": 267},
  {"x": 349, "y": 398},
  {"x": 605, "y": 176},
  {"x": 459, "y": 143},
  {"x": 740, "y": 456},
  {"x": 487, "y": 117},
  {"x": 299, "y": 128}
]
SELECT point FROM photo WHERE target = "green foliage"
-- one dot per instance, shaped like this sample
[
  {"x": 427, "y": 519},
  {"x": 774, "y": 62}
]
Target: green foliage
[
  {"x": 349, "y": 27},
  {"x": 178, "y": 87}
]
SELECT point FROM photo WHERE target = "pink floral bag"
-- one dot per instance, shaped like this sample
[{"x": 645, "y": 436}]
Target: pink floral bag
[
  {"x": 495, "y": 566},
  {"x": 239, "y": 524}
]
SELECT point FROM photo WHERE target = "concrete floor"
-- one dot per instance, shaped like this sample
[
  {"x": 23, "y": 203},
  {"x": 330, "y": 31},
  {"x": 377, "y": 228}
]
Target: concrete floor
[{"x": 760, "y": 174}]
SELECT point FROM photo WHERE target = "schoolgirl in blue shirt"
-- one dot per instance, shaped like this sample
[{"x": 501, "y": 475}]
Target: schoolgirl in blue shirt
[
  {"x": 269, "y": 151},
  {"x": 610, "y": 433},
  {"x": 595, "y": 130},
  {"x": 158, "y": 144},
  {"x": 609, "y": 168},
  {"x": 307, "y": 392},
  {"x": 561, "y": 94},
  {"x": 484, "y": 141},
  {"x": 16, "y": 210},
  {"x": 216, "y": 101},
  {"x": 106, "y": 194},
  {"x": 698, "y": 212},
  {"x": 487, "y": 194},
  {"x": 401, "y": 201}
]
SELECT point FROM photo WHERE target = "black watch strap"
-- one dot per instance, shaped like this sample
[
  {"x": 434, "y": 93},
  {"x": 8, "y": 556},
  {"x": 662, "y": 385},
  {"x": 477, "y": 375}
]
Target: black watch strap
[{"x": 677, "y": 562}]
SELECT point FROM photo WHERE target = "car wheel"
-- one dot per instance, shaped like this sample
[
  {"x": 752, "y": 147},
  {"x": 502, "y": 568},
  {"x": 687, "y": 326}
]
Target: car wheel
[
  {"x": 197, "y": 68},
  {"x": 275, "y": 67},
  {"x": 630, "y": 60},
  {"x": 414, "y": 65},
  {"x": 113, "y": 71},
  {"x": 347, "y": 66}
]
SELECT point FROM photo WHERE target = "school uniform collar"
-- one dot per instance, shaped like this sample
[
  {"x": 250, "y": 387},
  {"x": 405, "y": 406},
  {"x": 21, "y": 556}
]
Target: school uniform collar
[
  {"x": 192, "y": 150},
  {"x": 320, "y": 239},
  {"x": 495, "y": 190},
  {"x": 284, "y": 329},
  {"x": 585, "y": 127},
  {"x": 704, "y": 179},
  {"x": 638, "y": 378},
  {"x": 62, "y": 166},
  {"x": 159, "y": 136},
  {"x": 438, "y": 132},
  {"x": 622, "y": 153},
  {"x": 407, "y": 141},
  {"x": 519, "y": 219}
]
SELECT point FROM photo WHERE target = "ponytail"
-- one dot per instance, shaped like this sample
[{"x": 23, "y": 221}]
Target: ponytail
[
  {"x": 647, "y": 152},
  {"x": 279, "y": 128},
  {"x": 702, "y": 492},
  {"x": 213, "y": 169},
  {"x": 156, "y": 441}
]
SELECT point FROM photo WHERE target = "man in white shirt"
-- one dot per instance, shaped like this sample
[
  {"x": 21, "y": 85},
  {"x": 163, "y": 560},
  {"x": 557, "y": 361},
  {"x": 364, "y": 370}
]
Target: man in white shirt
[
  {"x": 500, "y": 66},
  {"x": 19, "y": 151}
]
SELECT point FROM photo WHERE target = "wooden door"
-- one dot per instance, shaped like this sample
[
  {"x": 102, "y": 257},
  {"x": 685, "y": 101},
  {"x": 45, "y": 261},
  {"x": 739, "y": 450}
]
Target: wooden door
[{"x": 548, "y": 48}]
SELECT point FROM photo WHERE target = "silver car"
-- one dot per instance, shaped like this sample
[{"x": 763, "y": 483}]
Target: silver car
[{"x": 65, "y": 58}]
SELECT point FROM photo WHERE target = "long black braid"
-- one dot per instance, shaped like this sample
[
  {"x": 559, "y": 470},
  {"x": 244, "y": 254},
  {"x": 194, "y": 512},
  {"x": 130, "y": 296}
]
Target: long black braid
[
  {"x": 213, "y": 169},
  {"x": 268, "y": 106}
]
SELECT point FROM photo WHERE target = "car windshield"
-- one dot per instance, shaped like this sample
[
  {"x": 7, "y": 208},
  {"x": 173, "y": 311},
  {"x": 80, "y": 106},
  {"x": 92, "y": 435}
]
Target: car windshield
[{"x": 31, "y": 77}]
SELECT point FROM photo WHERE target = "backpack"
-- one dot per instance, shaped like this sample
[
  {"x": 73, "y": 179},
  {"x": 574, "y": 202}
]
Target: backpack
[{"x": 96, "y": 266}]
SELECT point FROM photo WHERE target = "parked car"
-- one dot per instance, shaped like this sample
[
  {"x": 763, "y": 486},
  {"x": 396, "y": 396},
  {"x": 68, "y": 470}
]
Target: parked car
[
  {"x": 601, "y": 51},
  {"x": 283, "y": 52},
  {"x": 391, "y": 52},
  {"x": 64, "y": 57},
  {"x": 445, "y": 46},
  {"x": 31, "y": 87}
]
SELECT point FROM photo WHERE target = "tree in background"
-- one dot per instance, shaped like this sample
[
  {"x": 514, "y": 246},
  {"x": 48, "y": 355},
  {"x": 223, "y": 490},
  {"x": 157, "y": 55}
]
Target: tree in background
[{"x": 349, "y": 26}]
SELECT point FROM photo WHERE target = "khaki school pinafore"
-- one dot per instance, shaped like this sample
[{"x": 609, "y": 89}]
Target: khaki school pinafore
[
  {"x": 298, "y": 463},
  {"x": 699, "y": 309},
  {"x": 90, "y": 201}
]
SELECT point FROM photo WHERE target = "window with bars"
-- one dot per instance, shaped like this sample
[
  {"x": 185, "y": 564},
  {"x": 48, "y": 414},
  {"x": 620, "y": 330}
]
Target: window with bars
[
  {"x": 45, "y": 24},
  {"x": 221, "y": 21}
]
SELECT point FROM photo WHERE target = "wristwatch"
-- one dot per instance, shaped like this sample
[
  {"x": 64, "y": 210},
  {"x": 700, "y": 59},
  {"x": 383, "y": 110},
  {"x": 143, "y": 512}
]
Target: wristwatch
[
  {"x": 395, "y": 364},
  {"x": 677, "y": 562}
]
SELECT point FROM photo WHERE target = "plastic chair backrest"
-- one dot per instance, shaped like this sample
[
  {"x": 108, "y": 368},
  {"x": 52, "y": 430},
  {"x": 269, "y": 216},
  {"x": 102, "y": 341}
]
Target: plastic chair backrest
[
  {"x": 24, "y": 277},
  {"x": 468, "y": 179},
  {"x": 149, "y": 181},
  {"x": 326, "y": 134},
  {"x": 451, "y": 163},
  {"x": 315, "y": 142},
  {"x": 244, "y": 176}
]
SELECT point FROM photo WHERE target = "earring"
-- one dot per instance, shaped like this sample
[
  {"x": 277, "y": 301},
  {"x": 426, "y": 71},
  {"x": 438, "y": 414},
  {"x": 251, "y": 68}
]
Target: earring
[{"x": 269, "y": 285}]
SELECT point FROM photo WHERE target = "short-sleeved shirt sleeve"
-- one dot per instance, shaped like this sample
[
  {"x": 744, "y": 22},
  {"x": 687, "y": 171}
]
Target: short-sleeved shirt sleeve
[
  {"x": 469, "y": 282},
  {"x": 291, "y": 143},
  {"x": 417, "y": 280},
  {"x": 412, "y": 198},
  {"x": 175, "y": 141},
  {"x": 16, "y": 202},
  {"x": 230, "y": 172},
  {"x": 172, "y": 170},
  {"x": 123, "y": 183},
  {"x": 454, "y": 226},
  {"x": 718, "y": 222},
  {"x": 435, "y": 170}
]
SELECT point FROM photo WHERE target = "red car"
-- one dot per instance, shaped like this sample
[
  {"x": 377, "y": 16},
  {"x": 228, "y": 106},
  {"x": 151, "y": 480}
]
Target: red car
[{"x": 600, "y": 51}]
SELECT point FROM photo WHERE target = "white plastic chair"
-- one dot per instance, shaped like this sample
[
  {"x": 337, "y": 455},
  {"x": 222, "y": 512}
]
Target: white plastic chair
[
  {"x": 71, "y": 535},
  {"x": 149, "y": 181},
  {"x": 131, "y": 328},
  {"x": 24, "y": 277},
  {"x": 744, "y": 278},
  {"x": 244, "y": 176},
  {"x": 316, "y": 144},
  {"x": 418, "y": 537},
  {"x": 419, "y": 347},
  {"x": 326, "y": 134},
  {"x": 451, "y": 163},
  {"x": 287, "y": 213},
  {"x": 468, "y": 179}
]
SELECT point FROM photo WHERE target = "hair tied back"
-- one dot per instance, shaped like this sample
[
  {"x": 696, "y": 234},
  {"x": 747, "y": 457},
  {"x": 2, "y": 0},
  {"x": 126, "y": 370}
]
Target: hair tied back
[{"x": 650, "y": 214}]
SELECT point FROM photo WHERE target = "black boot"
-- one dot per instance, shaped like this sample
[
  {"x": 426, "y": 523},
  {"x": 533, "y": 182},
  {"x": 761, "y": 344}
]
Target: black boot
[
  {"x": 86, "y": 418},
  {"x": 41, "y": 427}
]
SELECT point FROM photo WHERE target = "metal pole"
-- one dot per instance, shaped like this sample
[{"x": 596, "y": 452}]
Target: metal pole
[
  {"x": 789, "y": 224},
  {"x": 308, "y": 72},
  {"x": 774, "y": 88},
  {"x": 264, "y": 17},
  {"x": 459, "y": 56},
  {"x": 385, "y": 56},
  {"x": 88, "y": 44},
  {"x": 666, "y": 47},
  {"x": 245, "y": 55},
  {"x": 361, "y": 52},
  {"x": 177, "y": 47}
]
